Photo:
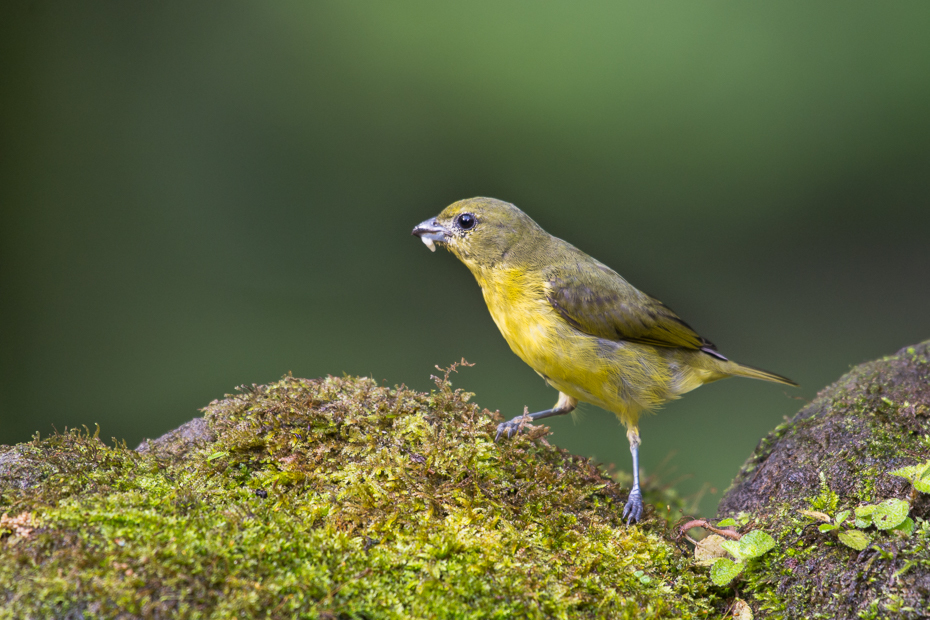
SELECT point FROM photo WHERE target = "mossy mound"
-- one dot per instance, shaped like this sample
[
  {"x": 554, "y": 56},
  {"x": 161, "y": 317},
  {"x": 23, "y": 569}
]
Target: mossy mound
[
  {"x": 836, "y": 454},
  {"x": 329, "y": 498}
]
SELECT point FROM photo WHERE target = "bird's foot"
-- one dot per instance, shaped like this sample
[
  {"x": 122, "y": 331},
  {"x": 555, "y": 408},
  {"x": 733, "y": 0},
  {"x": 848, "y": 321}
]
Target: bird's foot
[
  {"x": 511, "y": 427},
  {"x": 633, "y": 510}
]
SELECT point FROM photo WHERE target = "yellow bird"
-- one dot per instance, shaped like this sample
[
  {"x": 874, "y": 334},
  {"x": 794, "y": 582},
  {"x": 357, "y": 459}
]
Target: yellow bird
[{"x": 588, "y": 332}]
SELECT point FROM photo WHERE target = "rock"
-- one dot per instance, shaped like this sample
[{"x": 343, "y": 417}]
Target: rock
[
  {"x": 837, "y": 454},
  {"x": 17, "y": 469}
]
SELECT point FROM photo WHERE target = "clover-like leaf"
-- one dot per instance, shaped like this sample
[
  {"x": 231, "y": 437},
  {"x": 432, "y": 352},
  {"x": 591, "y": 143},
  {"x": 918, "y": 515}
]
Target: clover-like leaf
[
  {"x": 906, "y": 527},
  {"x": 827, "y": 527},
  {"x": 733, "y": 548},
  {"x": 840, "y": 518},
  {"x": 864, "y": 515},
  {"x": 756, "y": 543},
  {"x": 890, "y": 513},
  {"x": 725, "y": 570},
  {"x": 865, "y": 510},
  {"x": 857, "y": 539},
  {"x": 727, "y": 522},
  {"x": 922, "y": 485}
]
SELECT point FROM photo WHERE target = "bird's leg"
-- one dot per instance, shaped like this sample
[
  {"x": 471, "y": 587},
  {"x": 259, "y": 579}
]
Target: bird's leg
[
  {"x": 565, "y": 404},
  {"x": 633, "y": 510}
]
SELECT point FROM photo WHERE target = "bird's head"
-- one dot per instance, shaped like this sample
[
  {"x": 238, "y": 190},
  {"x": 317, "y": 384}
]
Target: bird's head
[{"x": 481, "y": 232}]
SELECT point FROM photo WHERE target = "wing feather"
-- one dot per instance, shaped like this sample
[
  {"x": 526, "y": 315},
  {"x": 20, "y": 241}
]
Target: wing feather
[{"x": 601, "y": 303}]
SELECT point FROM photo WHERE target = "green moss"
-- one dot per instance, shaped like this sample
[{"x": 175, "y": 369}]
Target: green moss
[{"x": 330, "y": 498}]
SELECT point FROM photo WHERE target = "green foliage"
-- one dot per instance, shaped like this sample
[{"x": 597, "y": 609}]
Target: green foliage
[
  {"x": 837, "y": 522},
  {"x": 850, "y": 438},
  {"x": 826, "y": 500},
  {"x": 917, "y": 475},
  {"x": 725, "y": 570},
  {"x": 906, "y": 527},
  {"x": 890, "y": 514},
  {"x": 857, "y": 539},
  {"x": 864, "y": 515},
  {"x": 751, "y": 545},
  {"x": 332, "y": 498}
]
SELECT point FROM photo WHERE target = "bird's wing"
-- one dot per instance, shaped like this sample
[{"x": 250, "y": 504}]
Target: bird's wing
[{"x": 596, "y": 300}]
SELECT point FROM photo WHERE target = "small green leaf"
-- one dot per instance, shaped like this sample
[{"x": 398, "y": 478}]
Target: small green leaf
[
  {"x": 906, "y": 527},
  {"x": 857, "y": 539},
  {"x": 756, "y": 543},
  {"x": 733, "y": 548},
  {"x": 727, "y": 522},
  {"x": 911, "y": 472},
  {"x": 864, "y": 515},
  {"x": 918, "y": 475},
  {"x": 724, "y": 571},
  {"x": 890, "y": 513},
  {"x": 217, "y": 455},
  {"x": 826, "y": 527},
  {"x": 840, "y": 518},
  {"x": 866, "y": 510},
  {"x": 643, "y": 577}
]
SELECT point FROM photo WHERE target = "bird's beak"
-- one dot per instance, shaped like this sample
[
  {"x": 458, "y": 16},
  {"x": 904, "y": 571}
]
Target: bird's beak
[{"x": 431, "y": 231}]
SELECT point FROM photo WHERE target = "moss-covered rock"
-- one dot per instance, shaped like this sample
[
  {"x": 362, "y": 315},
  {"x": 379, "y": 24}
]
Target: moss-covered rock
[
  {"x": 835, "y": 455},
  {"x": 329, "y": 498}
]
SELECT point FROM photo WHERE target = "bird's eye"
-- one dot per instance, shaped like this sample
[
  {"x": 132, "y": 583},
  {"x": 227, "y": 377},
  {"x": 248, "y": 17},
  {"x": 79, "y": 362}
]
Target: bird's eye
[{"x": 466, "y": 221}]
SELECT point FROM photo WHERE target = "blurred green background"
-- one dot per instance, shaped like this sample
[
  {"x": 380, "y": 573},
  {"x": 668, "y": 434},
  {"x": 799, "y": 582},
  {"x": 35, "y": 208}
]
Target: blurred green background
[{"x": 200, "y": 195}]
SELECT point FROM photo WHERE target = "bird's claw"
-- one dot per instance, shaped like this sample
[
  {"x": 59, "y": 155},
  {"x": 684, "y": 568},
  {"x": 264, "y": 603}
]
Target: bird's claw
[
  {"x": 510, "y": 428},
  {"x": 633, "y": 509}
]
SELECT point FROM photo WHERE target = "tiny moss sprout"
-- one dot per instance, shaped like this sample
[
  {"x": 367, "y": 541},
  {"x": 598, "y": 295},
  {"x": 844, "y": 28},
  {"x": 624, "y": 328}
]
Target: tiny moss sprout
[{"x": 826, "y": 500}]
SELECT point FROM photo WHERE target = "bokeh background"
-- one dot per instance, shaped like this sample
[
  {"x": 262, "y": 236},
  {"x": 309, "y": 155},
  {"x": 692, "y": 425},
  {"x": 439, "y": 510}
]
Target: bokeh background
[{"x": 201, "y": 195}]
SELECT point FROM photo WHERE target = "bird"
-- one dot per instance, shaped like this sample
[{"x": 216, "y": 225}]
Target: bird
[{"x": 579, "y": 324}]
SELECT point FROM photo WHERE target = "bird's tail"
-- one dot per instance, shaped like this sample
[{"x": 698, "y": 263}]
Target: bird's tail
[{"x": 741, "y": 370}]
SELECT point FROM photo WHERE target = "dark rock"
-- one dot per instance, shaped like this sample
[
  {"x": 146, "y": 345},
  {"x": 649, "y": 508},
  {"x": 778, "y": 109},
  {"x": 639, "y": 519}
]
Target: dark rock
[
  {"x": 874, "y": 420},
  {"x": 19, "y": 469}
]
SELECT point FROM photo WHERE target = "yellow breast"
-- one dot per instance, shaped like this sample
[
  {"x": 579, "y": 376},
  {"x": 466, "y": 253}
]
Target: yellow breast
[
  {"x": 618, "y": 376},
  {"x": 566, "y": 358},
  {"x": 521, "y": 312}
]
